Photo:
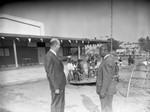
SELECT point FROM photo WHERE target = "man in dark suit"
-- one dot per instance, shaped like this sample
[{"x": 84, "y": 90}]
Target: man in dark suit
[
  {"x": 105, "y": 83},
  {"x": 56, "y": 77}
]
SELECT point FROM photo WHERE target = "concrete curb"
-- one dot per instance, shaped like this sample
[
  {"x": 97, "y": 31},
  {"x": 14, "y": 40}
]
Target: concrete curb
[{"x": 22, "y": 82}]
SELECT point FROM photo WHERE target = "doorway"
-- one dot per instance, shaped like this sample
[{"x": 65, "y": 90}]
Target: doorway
[{"x": 41, "y": 54}]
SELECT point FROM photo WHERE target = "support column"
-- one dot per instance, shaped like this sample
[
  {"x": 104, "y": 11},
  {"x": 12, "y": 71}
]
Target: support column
[
  {"x": 15, "y": 53},
  {"x": 79, "y": 52}
]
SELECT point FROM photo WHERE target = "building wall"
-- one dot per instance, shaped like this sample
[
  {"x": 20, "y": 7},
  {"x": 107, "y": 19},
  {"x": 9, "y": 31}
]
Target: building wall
[{"x": 17, "y": 25}]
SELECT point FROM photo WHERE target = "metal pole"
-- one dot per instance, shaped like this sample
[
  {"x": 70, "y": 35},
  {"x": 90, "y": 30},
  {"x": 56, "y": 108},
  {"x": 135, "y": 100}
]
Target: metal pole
[
  {"x": 79, "y": 52},
  {"x": 111, "y": 24},
  {"x": 15, "y": 53}
]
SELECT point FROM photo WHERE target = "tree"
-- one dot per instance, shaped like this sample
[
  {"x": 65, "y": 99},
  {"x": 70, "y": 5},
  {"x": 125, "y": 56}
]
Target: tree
[
  {"x": 144, "y": 43},
  {"x": 148, "y": 43},
  {"x": 115, "y": 44}
]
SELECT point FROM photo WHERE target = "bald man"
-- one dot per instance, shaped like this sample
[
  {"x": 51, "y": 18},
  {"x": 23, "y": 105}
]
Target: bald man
[{"x": 56, "y": 76}]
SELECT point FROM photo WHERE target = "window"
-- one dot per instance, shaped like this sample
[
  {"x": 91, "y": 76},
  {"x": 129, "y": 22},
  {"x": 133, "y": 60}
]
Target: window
[
  {"x": 1, "y": 52},
  {"x": 4, "y": 52}
]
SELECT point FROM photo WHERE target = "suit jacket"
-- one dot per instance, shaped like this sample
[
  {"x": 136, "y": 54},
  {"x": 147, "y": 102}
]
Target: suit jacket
[
  {"x": 105, "y": 82},
  {"x": 55, "y": 71}
]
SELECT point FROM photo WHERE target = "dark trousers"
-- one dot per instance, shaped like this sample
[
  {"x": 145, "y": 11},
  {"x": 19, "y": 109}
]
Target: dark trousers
[
  {"x": 76, "y": 75},
  {"x": 58, "y": 101},
  {"x": 106, "y": 103}
]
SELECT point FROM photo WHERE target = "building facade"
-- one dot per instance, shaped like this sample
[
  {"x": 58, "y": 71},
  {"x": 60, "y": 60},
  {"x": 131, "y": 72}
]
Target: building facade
[{"x": 20, "y": 46}]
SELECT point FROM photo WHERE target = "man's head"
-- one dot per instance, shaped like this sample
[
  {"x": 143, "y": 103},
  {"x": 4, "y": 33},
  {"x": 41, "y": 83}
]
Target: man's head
[
  {"x": 103, "y": 50},
  {"x": 55, "y": 44}
]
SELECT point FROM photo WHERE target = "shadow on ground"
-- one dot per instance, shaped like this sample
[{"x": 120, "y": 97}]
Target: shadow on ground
[{"x": 89, "y": 105}]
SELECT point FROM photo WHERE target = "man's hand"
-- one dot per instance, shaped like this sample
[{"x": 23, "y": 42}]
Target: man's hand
[
  {"x": 102, "y": 95},
  {"x": 57, "y": 91}
]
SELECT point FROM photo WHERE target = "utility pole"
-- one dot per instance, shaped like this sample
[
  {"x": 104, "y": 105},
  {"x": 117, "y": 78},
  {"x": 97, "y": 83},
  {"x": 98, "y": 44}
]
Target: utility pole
[{"x": 111, "y": 24}]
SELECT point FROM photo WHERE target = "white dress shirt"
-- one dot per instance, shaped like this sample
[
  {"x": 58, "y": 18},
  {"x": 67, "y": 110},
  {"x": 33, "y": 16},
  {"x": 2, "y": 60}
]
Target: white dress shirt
[
  {"x": 53, "y": 52},
  {"x": 106, "y": 56}
]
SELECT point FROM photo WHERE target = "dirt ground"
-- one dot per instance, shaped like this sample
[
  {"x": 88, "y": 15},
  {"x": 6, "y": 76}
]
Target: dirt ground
[
  {"x": 138, "y": 99},
  {"x": 35, "y": 97}
]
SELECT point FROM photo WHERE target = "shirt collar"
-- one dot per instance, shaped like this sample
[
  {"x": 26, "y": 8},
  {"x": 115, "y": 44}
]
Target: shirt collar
[
  {"x": 53, "y": 51},
  {"x": 106, "y": 56}
]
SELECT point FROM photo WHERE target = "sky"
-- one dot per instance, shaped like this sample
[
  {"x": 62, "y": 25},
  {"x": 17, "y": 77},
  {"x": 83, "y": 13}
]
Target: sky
[{"x": 87, "y": 18}]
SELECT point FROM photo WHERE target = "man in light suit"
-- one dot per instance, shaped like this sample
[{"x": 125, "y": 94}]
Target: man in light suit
[
  {"x": 56, "y": 77},
  {"x": 105, "y": 83}
]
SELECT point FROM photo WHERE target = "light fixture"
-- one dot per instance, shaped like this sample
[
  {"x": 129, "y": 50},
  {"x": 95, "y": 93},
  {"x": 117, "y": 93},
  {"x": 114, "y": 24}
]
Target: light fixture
[
  {"x": 41, "y": 40},
  {"x": 29, "y": 39},
  {"x": 18, "y": 39},
  {"x": 3, "y": 37}
]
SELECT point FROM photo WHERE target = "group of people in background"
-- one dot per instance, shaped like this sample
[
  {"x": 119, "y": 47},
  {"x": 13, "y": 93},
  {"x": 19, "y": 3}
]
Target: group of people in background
[
  {"x": 130, "y": 60},
  {"x": 92, "y": 66},
  {"x": 75, "y": 69}
]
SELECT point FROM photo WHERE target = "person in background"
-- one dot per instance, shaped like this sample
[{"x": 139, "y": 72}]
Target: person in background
[
  {"x": 70, "y": 70},
  {"x": 129, "y": 60},
  {"x": 116, "y": 76},
  {"x": 75, "y": 65},
  {"x": 120, "y": 61},
  {"x": 80, "y": 69},
  {"x": 105, "y": 83},
  {"x": 90, "y": 70},
  {"x": 69, "y": 65},
  {"x": 95, "y": 68},
  {"x": 55, "y": 74},
  {"x": 79, "y": 66},
  {"x": 75, "y": 72}
]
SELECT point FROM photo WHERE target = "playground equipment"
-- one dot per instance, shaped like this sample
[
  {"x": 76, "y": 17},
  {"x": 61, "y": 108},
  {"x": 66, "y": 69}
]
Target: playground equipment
[
  {"x": 140, "y": 75},
  {"x": 78, "y": 78}
]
